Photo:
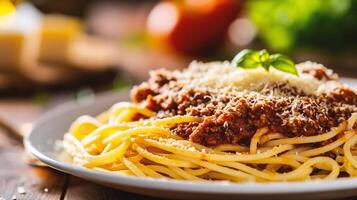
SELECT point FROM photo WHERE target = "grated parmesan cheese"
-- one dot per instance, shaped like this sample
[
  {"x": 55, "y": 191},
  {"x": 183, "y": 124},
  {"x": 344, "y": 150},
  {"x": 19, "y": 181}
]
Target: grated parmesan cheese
[{"x": 224, "y": 77}]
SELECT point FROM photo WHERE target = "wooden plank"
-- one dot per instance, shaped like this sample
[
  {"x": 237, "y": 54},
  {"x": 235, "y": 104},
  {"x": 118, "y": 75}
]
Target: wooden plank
[
  {"x": 79, "y": 189},
  {"x": 19, "y": 113},
  {"x": 18, "y": 179},
  {"x": 82, "y": 190}
]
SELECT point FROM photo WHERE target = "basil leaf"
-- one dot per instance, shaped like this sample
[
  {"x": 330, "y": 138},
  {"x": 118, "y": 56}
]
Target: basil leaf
[
  {"x": 250, "y": 59},
  {"x": 264, "y": 59},
  {"x": 283, "y": 63},
  {"x": 247, "y": 59},
  {"x": 263, "y": 55}
]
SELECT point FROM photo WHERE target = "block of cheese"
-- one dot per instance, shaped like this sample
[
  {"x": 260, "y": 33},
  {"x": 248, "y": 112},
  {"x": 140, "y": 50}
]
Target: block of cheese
[
  {"x": 6, "y": 8},
  {"x": 11, "y": 47},
  {"x": 56, "y": 35},
  {"x": 16, "y": 29},
  {"x": 11, "y": 42}
]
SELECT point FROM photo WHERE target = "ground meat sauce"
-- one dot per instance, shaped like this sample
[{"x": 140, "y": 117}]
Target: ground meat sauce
[
  {"x": 318, "y": 71},
  {"x": 233, "y": 117}
]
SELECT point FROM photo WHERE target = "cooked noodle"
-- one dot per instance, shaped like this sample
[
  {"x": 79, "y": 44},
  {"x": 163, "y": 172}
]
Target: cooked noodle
[{"x": 113, "y": 143}]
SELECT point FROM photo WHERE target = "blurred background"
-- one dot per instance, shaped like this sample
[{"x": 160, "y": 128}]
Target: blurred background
[{"x": 54, "y": 48}]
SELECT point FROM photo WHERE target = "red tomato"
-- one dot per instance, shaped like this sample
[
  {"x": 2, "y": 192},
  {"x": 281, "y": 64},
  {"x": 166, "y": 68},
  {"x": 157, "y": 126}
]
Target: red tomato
[{"x": 192, "y": 26}]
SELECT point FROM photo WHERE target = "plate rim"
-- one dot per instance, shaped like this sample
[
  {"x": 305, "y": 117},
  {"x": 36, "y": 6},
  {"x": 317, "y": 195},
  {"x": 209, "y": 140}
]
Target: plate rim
[{"x": 224, "y": 187}]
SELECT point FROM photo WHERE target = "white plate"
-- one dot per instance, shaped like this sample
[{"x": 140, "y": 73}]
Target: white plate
[{"x": 50, "y": 128}]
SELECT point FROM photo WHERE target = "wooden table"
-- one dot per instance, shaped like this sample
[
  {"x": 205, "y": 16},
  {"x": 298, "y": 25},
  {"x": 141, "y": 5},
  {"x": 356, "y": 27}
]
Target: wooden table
[{"x": 19, "y": 180}]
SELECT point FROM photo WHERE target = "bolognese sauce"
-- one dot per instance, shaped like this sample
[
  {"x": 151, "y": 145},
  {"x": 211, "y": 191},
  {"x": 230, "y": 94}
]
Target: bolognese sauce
[{"x": 232, "y": 115}]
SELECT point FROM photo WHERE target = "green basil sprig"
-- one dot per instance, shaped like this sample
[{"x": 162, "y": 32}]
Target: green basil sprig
[{"x": 250, "y": 59}]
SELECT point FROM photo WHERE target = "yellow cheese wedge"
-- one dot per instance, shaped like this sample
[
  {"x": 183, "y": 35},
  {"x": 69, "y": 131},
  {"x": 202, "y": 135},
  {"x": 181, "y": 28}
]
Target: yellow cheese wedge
[
  {"x": 11, "y": 47},
  {"x": 6, "y": 8},
  {"x": 56, "y": 35}
]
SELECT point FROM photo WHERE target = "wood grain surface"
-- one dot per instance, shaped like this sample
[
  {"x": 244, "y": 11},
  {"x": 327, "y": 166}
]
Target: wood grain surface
[
  {"x": 88, "y": 190},
  {"x": 20, "y": 181}
]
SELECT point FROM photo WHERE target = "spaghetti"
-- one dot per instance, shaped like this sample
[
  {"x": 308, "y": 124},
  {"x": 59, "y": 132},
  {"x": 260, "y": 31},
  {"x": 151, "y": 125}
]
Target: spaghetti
[
  {"x": 215, "y": 122},
  {"x": 147, "y": 148}
]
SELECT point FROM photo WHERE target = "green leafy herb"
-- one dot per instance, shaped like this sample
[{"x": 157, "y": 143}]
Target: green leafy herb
[
  {"x": 283, "y": 63},
  {"x": 250, "y": 59}
]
